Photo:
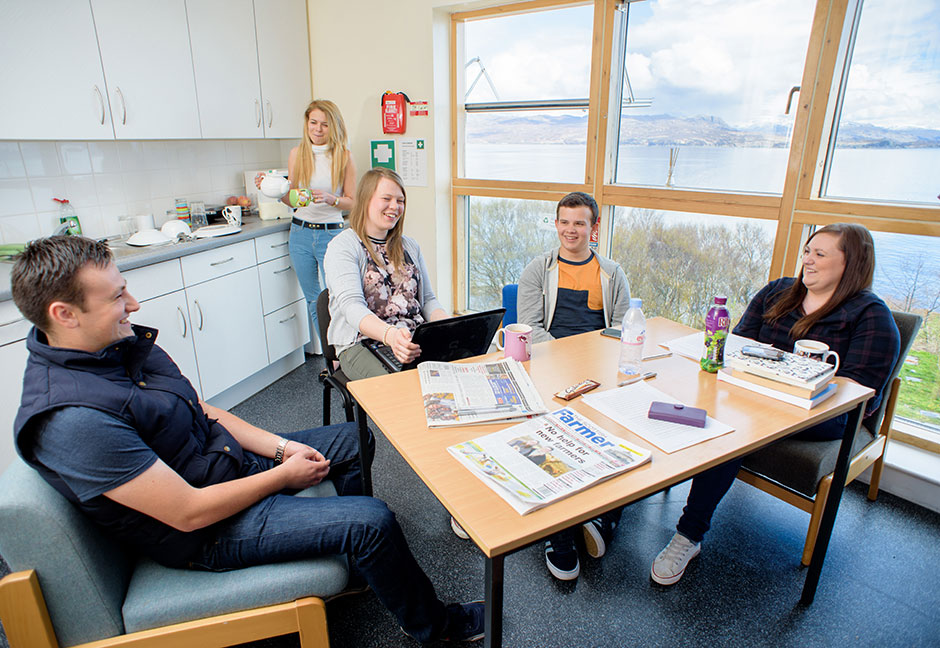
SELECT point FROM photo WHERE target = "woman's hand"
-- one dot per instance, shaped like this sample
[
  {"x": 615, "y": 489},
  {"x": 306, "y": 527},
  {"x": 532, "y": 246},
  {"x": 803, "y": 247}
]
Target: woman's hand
[
  {"x": 259, "y": 178},
  {"x": 399, "y": 339},
  {"x": 324, "y": 197}
]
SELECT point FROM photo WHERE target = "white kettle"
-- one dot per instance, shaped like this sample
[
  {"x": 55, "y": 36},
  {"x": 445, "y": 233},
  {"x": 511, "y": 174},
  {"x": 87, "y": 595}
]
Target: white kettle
[{"x": 274, "y": 185}]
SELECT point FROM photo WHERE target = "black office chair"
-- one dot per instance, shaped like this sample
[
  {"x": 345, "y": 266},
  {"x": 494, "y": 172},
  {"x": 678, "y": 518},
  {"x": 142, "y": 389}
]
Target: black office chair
[
  {"x": 333, "y": 378},
  {"x": 800, "y": 472}
]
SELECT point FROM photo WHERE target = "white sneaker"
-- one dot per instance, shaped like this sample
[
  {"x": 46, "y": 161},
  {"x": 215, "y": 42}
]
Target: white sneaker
[
  {"x": 458, "y": 530},
  {"x": 671, "y": 562}
]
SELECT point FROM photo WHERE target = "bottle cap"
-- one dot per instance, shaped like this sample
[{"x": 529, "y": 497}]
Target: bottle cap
[
  {"x": 636, "y": 302},
  {"x": 721, "y": 299}
]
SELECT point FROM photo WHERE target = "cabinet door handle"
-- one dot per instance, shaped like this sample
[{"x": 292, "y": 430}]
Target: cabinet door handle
[
  {"x": 198, "y": 308},
  {"x": 294, "y": 316},
  {"x": 270, "y": 114},
  {"x": 182, "y": 321},
  {"x": 258, "y": 113},
  {"x": 277, "y": 245},
  {"x": 101, "y": 104},
  {"x": 117, "y": 91},
  {"x": 281, "y": 270},
  {"x": 215, "y": 263}
]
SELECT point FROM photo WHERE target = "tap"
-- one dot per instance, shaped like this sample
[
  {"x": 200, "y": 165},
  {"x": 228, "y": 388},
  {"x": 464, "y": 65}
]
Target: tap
[{"x": 62, "y": 229}]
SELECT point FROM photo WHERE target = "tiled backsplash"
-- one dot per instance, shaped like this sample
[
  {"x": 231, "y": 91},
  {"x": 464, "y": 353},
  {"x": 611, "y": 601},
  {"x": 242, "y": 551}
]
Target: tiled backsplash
[{"x": 107, "y": 180}]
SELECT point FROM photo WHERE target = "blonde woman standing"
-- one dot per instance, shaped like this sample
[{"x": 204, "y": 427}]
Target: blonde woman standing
[{"x": 322, "y": 164}]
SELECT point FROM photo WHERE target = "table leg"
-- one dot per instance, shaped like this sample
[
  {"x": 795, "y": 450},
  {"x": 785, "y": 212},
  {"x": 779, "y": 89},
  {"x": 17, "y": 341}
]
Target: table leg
[
  {"x": 832, "y": 505},
  {"x": 365, "y": 460},
  {"x": 494, "y": 602}
]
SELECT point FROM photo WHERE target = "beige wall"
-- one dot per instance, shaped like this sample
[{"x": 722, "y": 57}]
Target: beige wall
[{"x": 361, "y": 49}]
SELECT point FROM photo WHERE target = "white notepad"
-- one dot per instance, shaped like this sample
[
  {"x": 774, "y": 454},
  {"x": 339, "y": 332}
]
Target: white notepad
[{"x": 629, "y": 407}]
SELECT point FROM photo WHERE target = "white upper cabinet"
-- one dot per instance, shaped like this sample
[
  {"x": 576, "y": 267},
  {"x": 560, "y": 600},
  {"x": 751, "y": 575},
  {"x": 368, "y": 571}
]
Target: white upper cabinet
[
  {"x": 225, "y": 59},
  {"x": 53, "y": 87},
  {"x": 284, "y": 59},
  {"x": 148, "y": 68}
]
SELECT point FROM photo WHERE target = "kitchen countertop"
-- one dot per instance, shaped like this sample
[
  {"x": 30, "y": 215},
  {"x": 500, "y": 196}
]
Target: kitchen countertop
[{"x": 128, "y": 257}]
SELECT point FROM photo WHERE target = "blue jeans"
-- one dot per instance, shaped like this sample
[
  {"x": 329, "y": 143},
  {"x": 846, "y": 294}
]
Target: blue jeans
[
  {"x": 307, "y": 248},
  {"x": 282, "y": 527},
  {"x": 710, "y": 486}
]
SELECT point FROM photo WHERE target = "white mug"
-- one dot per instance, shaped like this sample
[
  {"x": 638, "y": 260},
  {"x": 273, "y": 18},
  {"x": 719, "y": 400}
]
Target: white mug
[
  {"x": 517, "y": 341},
  {"x": 232, "y": 214},
  {"x": 816, "y": 350},
  {"x": 143, "y": 222}
]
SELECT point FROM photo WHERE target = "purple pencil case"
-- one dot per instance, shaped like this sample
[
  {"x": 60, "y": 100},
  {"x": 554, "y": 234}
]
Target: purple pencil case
[{"x": 677, "y": 413}]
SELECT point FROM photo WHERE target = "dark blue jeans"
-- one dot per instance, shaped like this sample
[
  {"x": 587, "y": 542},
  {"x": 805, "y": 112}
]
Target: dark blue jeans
[
  {"x": 283, "y": 527},
  {"x": 710, "y": 486}
]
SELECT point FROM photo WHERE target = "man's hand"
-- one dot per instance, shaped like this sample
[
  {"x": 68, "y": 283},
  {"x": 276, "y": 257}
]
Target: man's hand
[{"x": 305, "y": 468}]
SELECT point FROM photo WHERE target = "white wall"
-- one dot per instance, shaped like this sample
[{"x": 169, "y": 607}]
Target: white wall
[{"x": 359, "y": 51}]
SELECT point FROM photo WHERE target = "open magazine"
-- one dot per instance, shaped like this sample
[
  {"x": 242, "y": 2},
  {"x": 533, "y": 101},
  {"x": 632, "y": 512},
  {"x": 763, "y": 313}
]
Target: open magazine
[
  {"x": 542, "y": 460},
  {"x": 480, "y": 392}
]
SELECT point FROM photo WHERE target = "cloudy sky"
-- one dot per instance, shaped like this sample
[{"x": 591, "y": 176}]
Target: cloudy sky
[{"x": 733, "y": 59}]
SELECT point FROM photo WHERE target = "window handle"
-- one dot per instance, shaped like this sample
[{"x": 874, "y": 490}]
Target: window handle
[{"x": 793, "y": 91}]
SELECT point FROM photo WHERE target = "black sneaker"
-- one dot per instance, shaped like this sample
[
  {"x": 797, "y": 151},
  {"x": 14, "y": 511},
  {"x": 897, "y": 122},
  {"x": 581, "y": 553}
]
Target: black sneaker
[
  {"x": 465, "y": 621},
  {"x": 597, "y": 535},
  {"x": 561, "y": 556}
]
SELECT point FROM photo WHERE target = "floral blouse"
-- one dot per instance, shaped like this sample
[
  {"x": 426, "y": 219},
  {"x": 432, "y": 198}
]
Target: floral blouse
[{"x": 393, "y": 297}]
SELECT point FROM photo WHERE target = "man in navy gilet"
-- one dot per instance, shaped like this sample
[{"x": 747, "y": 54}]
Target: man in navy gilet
[{"x": 111, "y": 423}]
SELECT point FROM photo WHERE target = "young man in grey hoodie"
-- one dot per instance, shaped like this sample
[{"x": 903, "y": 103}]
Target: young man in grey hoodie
[{"x": 567, "y": 291}]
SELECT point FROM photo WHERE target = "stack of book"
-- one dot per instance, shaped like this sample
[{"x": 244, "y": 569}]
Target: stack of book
[{"x": 793, "y": 379}]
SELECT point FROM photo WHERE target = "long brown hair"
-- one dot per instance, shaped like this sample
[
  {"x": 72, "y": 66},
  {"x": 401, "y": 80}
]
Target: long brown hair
[
  {"x": 336, "y": 144},
  {"x": 360, "y": 212},
  {"x": 859, "y": 250}
]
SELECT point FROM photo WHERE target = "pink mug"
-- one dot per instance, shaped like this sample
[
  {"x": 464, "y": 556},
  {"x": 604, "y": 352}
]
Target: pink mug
[{"x": 517, "y": 341}]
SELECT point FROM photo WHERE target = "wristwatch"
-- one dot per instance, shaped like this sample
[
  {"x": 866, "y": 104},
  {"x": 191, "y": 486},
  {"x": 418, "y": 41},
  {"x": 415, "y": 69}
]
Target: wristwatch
[{"x": 279, "y": 453}]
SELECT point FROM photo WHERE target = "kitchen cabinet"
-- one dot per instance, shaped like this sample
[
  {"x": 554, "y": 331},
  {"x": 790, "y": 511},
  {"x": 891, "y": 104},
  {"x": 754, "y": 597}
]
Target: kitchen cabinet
[
  {"x": 53, "y": 85},
  {"x": 169, "y": 316},
  {"x": 284, "y": 62},
  {"x": 252, "y": 66},
  {"x": 228, "y": 329},
  {"x": 148, "y": 68},
  {"x": 285, "y": 309},
  {"x": 13, "y": 331}
]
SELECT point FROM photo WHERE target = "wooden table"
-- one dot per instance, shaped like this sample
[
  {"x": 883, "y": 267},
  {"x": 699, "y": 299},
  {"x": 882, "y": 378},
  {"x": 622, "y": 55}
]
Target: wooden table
[{"x": 395, "y": 405}]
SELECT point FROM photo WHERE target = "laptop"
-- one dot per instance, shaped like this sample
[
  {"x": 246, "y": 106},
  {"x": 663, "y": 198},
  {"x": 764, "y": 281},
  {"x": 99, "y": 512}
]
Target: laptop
[{"x": 458, "y": 337}]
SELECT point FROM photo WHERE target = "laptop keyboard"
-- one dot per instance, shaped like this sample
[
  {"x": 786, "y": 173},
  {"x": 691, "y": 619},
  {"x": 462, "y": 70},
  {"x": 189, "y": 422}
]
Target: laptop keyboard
[{"x": 386, "y": 353}]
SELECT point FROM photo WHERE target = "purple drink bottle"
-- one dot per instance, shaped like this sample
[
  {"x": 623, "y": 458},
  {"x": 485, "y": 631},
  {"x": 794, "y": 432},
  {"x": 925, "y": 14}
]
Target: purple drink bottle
[{"x": 717, "y": 326}]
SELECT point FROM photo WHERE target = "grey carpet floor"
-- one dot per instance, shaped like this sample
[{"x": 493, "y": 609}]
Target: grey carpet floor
[{"x": 879, "y": 585}]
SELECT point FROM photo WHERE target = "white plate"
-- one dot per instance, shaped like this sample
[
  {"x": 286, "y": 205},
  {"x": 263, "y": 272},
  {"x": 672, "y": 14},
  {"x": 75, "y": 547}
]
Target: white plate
[
  {"x": 216, "y": 230},
  {"x": 149, "y": 237}
]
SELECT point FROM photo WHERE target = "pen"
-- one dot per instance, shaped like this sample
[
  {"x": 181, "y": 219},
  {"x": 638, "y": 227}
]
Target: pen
[
  {"x": 664, "y": 354},
  {"x": 633, "y": 379}
]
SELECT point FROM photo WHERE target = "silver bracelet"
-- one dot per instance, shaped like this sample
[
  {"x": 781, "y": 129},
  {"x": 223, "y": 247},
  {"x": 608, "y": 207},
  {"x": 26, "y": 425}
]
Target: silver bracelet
[{"x": 279, "y": 453}]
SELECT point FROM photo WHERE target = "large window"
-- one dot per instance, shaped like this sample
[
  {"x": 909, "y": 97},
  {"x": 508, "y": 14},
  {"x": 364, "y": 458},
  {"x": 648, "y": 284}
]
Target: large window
[
  {"x": 525, "y": 95},
  {"x": 704, "y": 92},
  {"x": 677, "y": 262},
  {"x": 887, "y": 144}
]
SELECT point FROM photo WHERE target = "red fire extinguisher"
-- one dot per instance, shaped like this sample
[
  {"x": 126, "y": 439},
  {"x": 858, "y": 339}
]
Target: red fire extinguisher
[{"x": 394, "y": 109}]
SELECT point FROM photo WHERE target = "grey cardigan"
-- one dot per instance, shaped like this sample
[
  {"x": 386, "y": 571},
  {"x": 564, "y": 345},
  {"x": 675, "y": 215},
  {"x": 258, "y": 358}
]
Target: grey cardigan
[
  {"x": 538, "y": 290},
  {"x": 344, "y": 266}
]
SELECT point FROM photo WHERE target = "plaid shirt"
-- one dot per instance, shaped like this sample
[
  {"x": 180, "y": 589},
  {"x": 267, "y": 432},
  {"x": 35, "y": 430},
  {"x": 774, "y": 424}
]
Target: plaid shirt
[{"x": 862, "y": 331}]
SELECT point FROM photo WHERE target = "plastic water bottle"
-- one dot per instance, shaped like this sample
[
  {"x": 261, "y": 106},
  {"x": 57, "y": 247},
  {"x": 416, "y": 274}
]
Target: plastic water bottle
[
  {"x": 717, "y": 325},
  {"x": 632, "y": 338}
]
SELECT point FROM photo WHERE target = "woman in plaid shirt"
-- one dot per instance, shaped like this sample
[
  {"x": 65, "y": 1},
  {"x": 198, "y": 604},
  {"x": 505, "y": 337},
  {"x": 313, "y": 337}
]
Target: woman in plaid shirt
[{"x": 829, "y": 301}]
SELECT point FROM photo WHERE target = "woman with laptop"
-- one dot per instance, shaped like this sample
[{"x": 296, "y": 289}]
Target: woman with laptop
[
  {"x": 830, "y": 301},
  {"x": 378, "y": 281}
]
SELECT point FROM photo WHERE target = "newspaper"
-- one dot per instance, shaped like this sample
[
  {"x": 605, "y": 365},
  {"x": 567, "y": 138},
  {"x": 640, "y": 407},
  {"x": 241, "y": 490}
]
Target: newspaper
[
  {"x": 542, "y": 460},
  {"x": 481, "y": 392}
]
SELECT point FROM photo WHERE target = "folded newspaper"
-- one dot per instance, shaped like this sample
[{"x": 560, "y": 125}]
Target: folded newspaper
[
  {"x": 545, "y": 459},
  {"x": 480, "y": 392}
]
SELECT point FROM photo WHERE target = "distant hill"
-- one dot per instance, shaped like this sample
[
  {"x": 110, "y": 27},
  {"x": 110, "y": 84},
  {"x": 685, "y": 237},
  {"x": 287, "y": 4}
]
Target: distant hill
[{"x": 669, "y": 130}]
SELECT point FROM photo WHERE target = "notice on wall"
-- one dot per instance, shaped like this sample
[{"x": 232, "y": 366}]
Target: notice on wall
[
  {"x": 383, "y": 154},
  {"x": 418, "y": 109},
  {"x": 413, "y": 162}
]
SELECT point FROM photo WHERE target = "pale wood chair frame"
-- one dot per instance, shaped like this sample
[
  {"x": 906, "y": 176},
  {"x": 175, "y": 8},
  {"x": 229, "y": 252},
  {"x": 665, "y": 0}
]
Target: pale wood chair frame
[
  {"x": 873, "y": 454},
  {"x": 27, "y": 623}
]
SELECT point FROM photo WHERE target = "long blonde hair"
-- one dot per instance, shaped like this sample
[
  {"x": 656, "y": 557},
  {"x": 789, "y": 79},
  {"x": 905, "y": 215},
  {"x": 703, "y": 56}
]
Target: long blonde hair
[
  {"x": 336, "y": 143},
  {"x": 360, "y": 212}
]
